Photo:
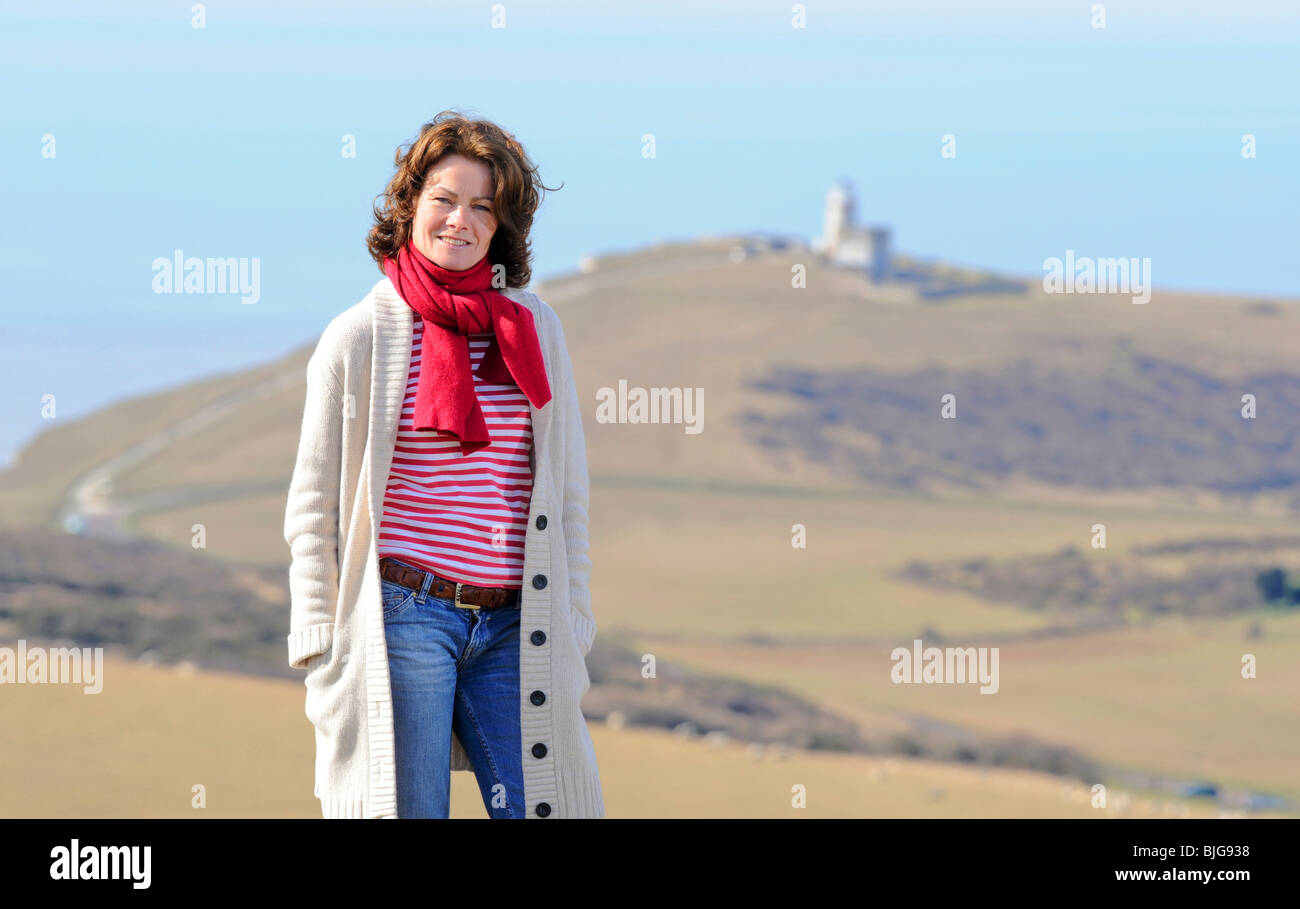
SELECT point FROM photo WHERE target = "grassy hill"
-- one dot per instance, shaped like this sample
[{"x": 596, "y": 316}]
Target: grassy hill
[
  {"x": 141, "y": 746},
  {"x": 821, "y": 409}
]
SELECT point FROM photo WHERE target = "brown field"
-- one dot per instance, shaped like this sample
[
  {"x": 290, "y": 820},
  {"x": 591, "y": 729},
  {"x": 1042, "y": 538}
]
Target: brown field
[
  {"x": 140, "y": 746},
  {"x": 691, "y": 546}
]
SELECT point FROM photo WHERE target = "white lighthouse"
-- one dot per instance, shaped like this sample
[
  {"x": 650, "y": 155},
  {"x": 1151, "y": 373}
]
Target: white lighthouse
[
  {"x": 838, "y": 214},
  {"x": 847, "y": 244}
]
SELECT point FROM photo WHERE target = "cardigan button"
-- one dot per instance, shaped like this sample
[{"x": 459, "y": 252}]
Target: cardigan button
[
  {"x": 539, "y": 581},
  {"x": 538, "y": 637},
  {"x": 543, "y": 809},
  {"x": 541, "y": 522},
  {"x": 539, "y": 750},
  {"x": 538, "y": 698}
]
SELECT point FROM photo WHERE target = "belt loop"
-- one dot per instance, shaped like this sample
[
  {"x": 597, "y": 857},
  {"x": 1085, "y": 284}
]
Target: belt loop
[{"x": 426, "y": 580}]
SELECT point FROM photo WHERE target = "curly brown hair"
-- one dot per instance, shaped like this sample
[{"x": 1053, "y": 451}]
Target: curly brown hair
[{"x": 515, "y": 195}]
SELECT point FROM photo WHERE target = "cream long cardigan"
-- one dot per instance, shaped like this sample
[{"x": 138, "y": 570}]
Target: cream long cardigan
[{"x": 356, "y": 385}]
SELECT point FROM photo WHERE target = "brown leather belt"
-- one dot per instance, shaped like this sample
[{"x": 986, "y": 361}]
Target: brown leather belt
[{"x": 466, "y": 596}]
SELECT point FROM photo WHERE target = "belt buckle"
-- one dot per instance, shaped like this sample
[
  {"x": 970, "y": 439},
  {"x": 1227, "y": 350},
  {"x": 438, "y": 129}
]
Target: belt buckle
[{"x": 459, "y": 604}]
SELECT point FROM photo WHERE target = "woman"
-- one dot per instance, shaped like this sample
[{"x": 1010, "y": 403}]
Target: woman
[{"x": 437, "y": 516}]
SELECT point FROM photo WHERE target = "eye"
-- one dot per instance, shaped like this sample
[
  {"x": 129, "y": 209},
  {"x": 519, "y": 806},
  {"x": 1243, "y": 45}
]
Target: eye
[{"x": 480, "y": 207}]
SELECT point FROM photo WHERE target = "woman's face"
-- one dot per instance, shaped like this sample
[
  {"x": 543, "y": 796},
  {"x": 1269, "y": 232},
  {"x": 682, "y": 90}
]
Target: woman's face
[{"x": 456, "y": 204}]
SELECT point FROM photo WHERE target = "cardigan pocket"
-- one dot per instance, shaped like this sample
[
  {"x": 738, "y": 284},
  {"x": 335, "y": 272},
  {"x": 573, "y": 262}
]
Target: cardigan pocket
[
  {"x": 323, "y": 689},
  {"x": 316, "y": 666},
  {"x": 316, "y": 661},
  {"x": 577, "y": 658}
]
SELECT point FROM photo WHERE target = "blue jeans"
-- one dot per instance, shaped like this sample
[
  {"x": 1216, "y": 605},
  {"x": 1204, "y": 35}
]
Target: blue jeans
[{"x": 453, "y": 668}]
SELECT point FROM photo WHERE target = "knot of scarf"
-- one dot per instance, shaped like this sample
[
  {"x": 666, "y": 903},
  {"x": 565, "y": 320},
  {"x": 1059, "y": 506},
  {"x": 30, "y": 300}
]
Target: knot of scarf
[{"x": 453, "y": 305}]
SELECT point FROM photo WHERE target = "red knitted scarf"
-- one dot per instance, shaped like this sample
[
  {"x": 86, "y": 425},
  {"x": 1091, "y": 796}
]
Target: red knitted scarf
[{"x": 454, "y": 304}]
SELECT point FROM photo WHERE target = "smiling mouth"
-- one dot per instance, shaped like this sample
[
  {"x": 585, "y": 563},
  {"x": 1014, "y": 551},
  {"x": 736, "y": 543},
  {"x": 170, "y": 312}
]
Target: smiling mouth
[{"x": 454, "y": 244}]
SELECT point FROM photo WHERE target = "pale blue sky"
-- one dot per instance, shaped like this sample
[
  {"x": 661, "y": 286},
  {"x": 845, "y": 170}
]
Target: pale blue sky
[{"x": 225, "y": 141}]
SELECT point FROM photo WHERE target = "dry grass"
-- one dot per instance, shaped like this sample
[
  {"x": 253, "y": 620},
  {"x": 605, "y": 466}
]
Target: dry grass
[
  {"x": 139, "y": 747},
  {"x": 692, "y": 559},
  {"x": 1167, "y": 699}
]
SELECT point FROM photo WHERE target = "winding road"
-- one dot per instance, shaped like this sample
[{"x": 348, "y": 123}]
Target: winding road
[{"x": 90, "y": 509}]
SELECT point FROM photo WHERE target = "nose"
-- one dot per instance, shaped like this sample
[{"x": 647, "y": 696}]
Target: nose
[{"x": 456, "y": 218}]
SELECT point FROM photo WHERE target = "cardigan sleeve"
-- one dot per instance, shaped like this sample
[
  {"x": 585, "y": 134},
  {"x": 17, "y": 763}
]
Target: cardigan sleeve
[
  {"x": 311, "y": 518},
  {"x": 576, "y": 495}
]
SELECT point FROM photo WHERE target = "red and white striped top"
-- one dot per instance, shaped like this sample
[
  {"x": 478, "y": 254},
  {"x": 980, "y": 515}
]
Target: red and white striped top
[{"x": 463, "y": 517}]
